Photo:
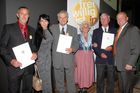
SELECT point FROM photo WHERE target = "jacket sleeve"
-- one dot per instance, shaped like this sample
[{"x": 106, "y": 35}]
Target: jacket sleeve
[
  {"x": 95, "y": 40},
  {"x": 4, "y": 52},
  {"x": 134, "y": 45},
  {"x": 75, "y": 42}
]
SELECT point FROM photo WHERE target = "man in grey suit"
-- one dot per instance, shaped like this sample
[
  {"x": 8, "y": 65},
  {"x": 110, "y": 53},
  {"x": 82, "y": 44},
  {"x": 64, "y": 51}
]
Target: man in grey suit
[
  {"x": 64, "y": 63},
  {"x": 126, "y": 51}
]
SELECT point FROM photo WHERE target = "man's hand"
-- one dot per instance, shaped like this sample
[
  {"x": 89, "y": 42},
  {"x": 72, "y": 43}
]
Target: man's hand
[
  {"x": 103, "y": 55},
  {"x": 69, "y": 50},
  {"x": 95, "y": 45},
  {"x": 128, "y": 67},
  {"x": 15, "y": 63},
  {"x": 109, "y": 48}
]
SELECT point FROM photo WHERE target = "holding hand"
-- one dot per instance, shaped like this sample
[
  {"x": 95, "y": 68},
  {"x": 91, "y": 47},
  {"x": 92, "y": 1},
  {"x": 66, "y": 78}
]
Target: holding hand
[{"x": 15, "y": 63}]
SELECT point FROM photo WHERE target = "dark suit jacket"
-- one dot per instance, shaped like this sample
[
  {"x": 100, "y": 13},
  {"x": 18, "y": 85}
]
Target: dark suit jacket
[
  {"x": 11, "y": 37},
  {"x": 97, "y": 38},
  {"x": 128, "y": 47}
]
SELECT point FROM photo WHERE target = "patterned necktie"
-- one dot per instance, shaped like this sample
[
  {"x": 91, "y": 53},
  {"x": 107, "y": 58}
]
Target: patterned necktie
[
  {"x": 62, "y": 31},
  {"x": 116, "y": 40}
]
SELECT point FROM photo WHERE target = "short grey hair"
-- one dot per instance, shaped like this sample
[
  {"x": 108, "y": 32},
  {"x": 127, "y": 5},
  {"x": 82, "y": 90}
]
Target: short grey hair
[
  {"x": 62, "y": 12},
  {"x": 105, "y": 14}
]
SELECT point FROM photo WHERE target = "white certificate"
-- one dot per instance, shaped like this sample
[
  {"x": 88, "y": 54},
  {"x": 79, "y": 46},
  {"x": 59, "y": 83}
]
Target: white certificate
[
  {"x": 107, "y": 40},
  {"x": 63, "y": 43},
  {"x": 23, "y": 54}
]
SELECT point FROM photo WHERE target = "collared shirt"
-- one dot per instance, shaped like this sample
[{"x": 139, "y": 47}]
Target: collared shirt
[
  {"x": 23, "y": 29},
  {"x": 65, "y": 28},
  {"x": 121, "y": 28},
  {"x": 124, "y": 25},
  {"x": 105, "y": 29}
]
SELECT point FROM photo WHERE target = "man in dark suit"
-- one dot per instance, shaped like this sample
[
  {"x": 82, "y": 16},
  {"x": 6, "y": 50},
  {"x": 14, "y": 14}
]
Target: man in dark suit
[
  {"x": 126, "y": 51},
  {"x": 63, "y": 63},
  {"x": 104, "y": 57},
  {"x": 14, "y": 35}
]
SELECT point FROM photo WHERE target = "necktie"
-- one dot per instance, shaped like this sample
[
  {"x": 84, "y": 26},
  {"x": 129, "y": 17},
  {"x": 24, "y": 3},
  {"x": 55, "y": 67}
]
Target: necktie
[
  {"x": 62, "y": 31},
  {"x": 116, "y": 40},
  {"x": 105, "y": 29},
  {"x": 24, "y": 33}
]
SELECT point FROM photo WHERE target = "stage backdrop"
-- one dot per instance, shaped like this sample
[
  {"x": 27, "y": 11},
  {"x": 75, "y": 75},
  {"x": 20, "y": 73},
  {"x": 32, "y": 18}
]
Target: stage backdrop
[{"x": 83, "y": 10}]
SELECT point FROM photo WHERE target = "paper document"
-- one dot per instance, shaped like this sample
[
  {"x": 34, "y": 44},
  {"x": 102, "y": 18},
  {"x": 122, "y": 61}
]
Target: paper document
[
  {"x": 23, "y": 54},
  {"x": 63, "y": 43},
  {"x": 107, "y": 40}
]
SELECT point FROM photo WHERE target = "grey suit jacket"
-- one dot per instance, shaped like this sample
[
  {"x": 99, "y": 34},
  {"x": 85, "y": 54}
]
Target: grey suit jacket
[
  {"x": 61, "y": 60},
  {"x": 128, "y": 47}
]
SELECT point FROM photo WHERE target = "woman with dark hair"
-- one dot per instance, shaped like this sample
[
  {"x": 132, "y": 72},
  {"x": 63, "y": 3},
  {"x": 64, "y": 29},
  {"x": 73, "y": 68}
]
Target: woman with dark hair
[
  {"x": 41, "y": 26},
  {"x": 44, "y": 41}
]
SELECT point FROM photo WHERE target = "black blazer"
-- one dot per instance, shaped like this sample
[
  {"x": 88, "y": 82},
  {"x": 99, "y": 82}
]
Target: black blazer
[
  {"x": 11, "y": 37},
  {"x": 97, "y": 38}
]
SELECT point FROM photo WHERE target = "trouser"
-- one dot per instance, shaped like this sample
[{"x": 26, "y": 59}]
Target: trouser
[
  {"x": 105, "y": 71},
  {"x": 62, "y": 74}
]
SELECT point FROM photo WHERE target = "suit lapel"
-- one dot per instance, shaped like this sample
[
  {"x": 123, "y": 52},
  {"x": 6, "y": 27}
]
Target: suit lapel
[
  {"x": 123, "y": 32},
  {"x": 57, "y": 28},
  {"x": 19, "y": 33},
  {"x": 68, "y": 29},
  {"x": 109, "y": 30}
]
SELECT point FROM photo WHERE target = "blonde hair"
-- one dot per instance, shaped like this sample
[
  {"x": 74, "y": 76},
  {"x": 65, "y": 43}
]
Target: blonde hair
[{"x": 83, "y": 24}]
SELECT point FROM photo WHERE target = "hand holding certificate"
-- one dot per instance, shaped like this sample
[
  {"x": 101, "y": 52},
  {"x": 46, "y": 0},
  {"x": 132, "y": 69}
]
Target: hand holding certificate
[
  {"x": 107, "y": 40},
  {"x": 63, "y": 43},
  {"x": 23, "y": 54}
]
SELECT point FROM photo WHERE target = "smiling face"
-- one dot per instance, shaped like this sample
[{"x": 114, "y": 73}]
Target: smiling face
[
  {"x": 44, "y": 23},
  {"x": 105, "y": 19},
  {"x": 85, "y": 27},
  {"x": 122, "y": 19},
  {"x": 23, "y": 15},
  {"x": 62, "y": 17}
]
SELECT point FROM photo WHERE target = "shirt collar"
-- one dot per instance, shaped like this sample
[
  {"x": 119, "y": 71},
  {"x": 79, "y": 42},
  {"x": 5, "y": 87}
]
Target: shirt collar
[
  {"x": 106, "y": 28},
  {"x": 21, "y": 25},
  {"x": 124, "y": 25},
  {"x": 65, "y": 27}
]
